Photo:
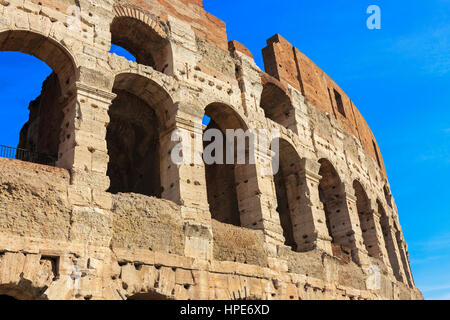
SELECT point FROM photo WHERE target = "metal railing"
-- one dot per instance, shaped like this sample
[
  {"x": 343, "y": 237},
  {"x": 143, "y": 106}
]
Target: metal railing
[{"x": 26, "y": 155}]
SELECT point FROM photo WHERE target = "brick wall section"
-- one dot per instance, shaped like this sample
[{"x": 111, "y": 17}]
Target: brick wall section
[
  {"x": 237, "y": 46},
  {"x": 290, "y": 66}
]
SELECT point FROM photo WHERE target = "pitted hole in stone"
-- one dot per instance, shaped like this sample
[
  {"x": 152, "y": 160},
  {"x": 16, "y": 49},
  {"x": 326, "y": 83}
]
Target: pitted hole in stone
[{"x": 51, "y": 263}]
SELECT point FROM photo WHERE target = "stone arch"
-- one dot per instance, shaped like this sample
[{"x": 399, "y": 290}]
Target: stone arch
[
  {"x": 333, "y": 197},
  {"x": 138, "y": 118},
  {"x": 403, "y": 255},
  {"x": 289, "y": 188},
  {"x": 367, "y": 220},
  {"x": 277, "y": 105},
  {"x": 387, "y": 195},
  {"x": 389, "y": 239},
  {"x": 143, "y": 36},
  {"x": 45, "y": 131},
  {"x": 15, "y": 292},
  {"x": 45, "y": 48},
  {"x": 231, "y": 188}
]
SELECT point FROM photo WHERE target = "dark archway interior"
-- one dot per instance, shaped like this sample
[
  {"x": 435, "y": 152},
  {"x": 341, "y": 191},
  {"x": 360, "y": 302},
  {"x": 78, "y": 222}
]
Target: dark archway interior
[
  {"x": 221, "y": 178},
  {"x": 403, "y": 256},
  {"x": 287, "y": 185},
  {"x": 22, "y": 291},
  {"x": 133, "y": 146},
  {"x": 276, "y": 104},
  {"x": 330, "y": 193},
  {"x": 366, "y": 219},
  {"x": 147, "y": 46},
  {"x": 387, "y": 195},
  {"x": 148, "y": 296},
  {"x": 389, "y": 241},
  {"x": 42, "y": 132},
  {"x": 137, "y": 119}
]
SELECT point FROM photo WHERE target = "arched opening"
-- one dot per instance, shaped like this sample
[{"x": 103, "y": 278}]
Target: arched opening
[
  {"x": 44, "y": 131},
  {"x": 387, "y": 195},
  {"x": 403, "y": 255},
  {"x": 332, "y": 196},
  {"x": 277, "y": 105},
  {"x": 133, "y": 135},
  {"x": 288, "y": 190},
  {"x": 143, "y": 42},
  {"x": 16, "y": 292},
  {"x": 389, "y": 241},
  {"x": 366, "y": 220},
  {"x": 230, "y": 185}
]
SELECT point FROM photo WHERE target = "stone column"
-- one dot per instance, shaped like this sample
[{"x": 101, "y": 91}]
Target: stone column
[
  {"x": 185, "y": 183},
  {"x": 259, "y": 204},
  {"x": 309, "y": 215},
  {"x": 83, "y": 150}
]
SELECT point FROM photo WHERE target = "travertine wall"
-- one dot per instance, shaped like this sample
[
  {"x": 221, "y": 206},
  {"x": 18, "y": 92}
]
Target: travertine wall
[{"x": 325, "y": 228}]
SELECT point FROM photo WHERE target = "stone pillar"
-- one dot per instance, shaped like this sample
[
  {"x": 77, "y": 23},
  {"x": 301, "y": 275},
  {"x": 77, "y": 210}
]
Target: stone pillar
[
  {"x": 259, "y": 204},
  {"x": 308, "y": 216},
  {"x": 83, "y": 150},
  {"x": 185, "y": 183}
]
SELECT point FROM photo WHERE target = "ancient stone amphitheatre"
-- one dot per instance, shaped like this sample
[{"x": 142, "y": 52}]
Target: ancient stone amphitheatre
[{"x": 103, "y": 212}]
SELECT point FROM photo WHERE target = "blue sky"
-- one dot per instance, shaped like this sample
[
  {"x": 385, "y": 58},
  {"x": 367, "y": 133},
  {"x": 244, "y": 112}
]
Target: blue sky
[{"x": 398, "y": 77}]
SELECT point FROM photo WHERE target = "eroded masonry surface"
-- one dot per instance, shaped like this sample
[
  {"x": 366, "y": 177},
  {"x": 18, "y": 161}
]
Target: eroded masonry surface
[{"x": 115, "y": 218}]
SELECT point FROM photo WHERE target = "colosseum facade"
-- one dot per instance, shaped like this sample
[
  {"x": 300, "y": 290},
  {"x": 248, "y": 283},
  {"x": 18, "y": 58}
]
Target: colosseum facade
[{"x": 114, "y": 218}]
